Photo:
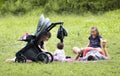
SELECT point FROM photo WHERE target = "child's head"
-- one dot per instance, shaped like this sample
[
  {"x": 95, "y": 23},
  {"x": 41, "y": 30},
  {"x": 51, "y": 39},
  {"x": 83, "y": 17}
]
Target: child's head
[
  {"x": 94, "y": 31},
  {"x": 60, "y": 46}
]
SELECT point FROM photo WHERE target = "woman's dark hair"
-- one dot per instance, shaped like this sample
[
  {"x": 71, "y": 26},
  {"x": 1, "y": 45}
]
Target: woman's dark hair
[
  {"x": 91, "y": 58},
  {"x": 60, "y": 45},
  {"x": 93, "y": 27},
  {"x": 48, "y": 34}
]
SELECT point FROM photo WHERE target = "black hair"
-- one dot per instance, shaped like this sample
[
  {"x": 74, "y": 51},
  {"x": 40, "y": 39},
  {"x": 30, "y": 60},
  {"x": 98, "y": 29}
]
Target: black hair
[
  {"x": 91, "y": 58},
  {"x": 60, "y": 45},
  {"x": 48, "y": 34},
  {"x": 96, "y": 29}
]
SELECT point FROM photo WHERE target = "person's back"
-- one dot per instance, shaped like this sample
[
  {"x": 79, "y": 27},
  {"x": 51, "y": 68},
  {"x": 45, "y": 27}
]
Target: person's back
[{"x": 59, "y": 54}]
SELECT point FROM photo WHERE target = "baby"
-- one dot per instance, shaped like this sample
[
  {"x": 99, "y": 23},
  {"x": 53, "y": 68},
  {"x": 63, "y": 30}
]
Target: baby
[{"x": 59, "y": 54}]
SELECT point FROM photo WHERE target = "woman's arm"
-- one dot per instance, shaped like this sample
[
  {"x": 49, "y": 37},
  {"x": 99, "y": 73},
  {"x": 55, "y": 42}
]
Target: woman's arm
[
  {"x": 82, "y": 50},
  {"x": 43, "y": 48},
  {"x": 88, "y": 45},
  {"x": 103, "y": 42}
]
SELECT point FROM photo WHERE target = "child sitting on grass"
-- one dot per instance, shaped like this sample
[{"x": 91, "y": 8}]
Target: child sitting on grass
[
  {"x": 95, "y": 42},
  {"x": 59, "y": 54}
]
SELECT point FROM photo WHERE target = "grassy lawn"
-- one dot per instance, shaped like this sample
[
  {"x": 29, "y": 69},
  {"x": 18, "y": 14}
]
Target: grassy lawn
[{"x": 11, "y": 28}]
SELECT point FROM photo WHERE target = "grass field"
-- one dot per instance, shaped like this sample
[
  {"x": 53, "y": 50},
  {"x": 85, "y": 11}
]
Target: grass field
[{"x": 11, "y": 28}]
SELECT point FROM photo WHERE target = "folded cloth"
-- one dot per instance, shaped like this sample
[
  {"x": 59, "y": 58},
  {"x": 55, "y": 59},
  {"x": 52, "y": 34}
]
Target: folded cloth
[{"x": 24, "y": 36}]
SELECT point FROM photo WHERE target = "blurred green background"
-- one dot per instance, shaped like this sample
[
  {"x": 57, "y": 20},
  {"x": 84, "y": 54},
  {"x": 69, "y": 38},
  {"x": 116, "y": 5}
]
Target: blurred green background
[
  {"x": 20, "y": 16},
  {"x": 17, "y": 7}
]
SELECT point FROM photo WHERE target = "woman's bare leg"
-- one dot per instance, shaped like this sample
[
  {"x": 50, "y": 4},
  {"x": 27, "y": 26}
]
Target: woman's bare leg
[
  {"x": 10, "y": 60},
  {"x": 78, "y": 52},
  {"x": 75, "y": 50},
  {"x": 13, "y": 60}
]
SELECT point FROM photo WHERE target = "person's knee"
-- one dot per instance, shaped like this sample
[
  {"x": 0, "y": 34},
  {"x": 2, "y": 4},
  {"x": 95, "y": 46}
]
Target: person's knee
[
  {"x": 82, "y": 50},
  {"x": 74, "y": 48},
  {"x": 79, "y": 52}
]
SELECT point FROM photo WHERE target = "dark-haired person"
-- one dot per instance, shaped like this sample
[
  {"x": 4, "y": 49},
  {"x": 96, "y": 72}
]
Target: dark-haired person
[
  {"x": 59, "y": 54},
  {"x": 94, "y": 43},
  {"x": 44, "y": 37}
]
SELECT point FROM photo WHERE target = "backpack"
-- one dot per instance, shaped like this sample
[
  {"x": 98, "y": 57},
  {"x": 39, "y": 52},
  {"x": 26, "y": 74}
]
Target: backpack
[{"x": 61, "y": 33}]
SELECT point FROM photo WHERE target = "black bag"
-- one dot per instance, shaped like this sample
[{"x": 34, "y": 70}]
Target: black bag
[{"x": 61, "y": 33}]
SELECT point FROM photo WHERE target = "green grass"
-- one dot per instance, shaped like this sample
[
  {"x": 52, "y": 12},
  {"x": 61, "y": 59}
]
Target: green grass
[{"x": 11, "y": 28}]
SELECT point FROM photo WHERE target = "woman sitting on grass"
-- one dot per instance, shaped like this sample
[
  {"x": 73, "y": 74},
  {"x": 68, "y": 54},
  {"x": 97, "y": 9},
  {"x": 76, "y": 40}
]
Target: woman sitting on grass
[
  {"x": 94, "y": 43},
  {"x": 44, "y": 38}
]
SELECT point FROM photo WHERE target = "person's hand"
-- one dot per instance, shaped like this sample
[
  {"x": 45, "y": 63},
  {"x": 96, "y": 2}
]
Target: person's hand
[{"x": 104, "y": 43}]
